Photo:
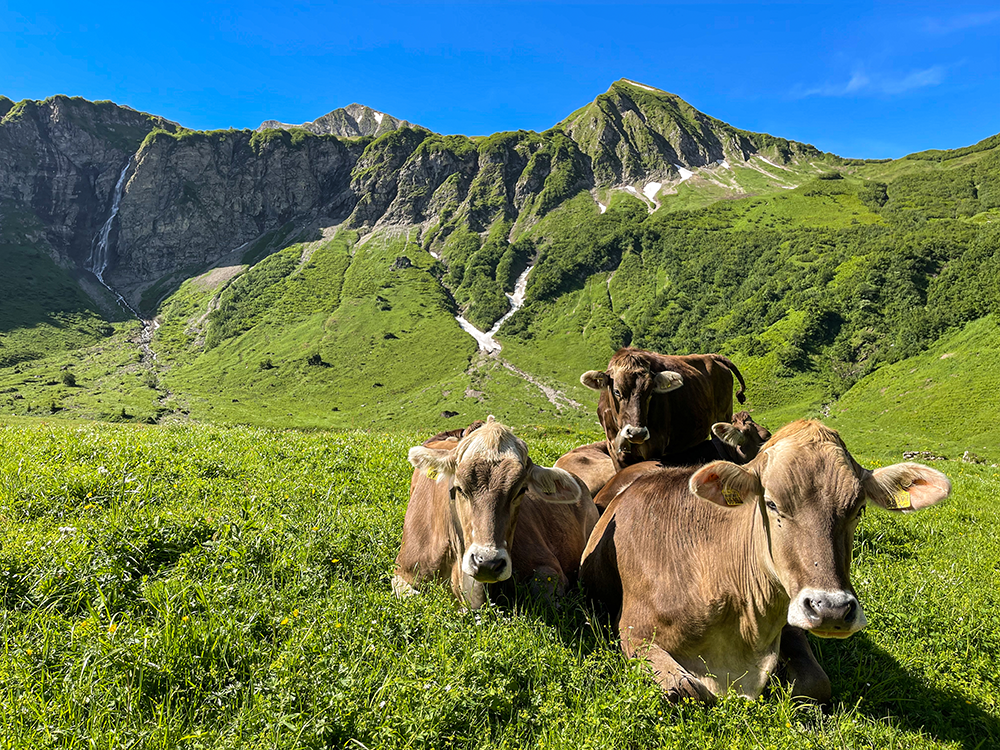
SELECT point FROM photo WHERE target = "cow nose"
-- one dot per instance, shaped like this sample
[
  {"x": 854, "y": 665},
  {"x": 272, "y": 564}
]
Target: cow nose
[
  {"x": 635, "y": 434},
  {"x": 824, "y": 609},
  {"x": 494, "y": 566}
]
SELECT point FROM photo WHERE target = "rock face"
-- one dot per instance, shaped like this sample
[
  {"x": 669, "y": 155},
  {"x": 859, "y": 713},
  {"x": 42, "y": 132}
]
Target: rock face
[
  {"x": 193, "y": 197},
  {"x": 189, "y": 198},
  {"x": 352, "y": 121},
  {"x": 59, "y": 162}
]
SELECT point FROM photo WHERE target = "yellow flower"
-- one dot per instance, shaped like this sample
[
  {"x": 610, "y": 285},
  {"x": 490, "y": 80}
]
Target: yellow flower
[
  {"x": 29, "y": 652},
  {"x": 336, "y": 624},
  {"x": 112, "y": 627},
  {"x": 184, "y": 618},
  {"x": 285, "y": 621},
  {"x": 88, "y": 506},
  {"x": 335, "y": 560},
  {"x": 89, "y": 494},
  {"x": 295, "y": 613}
]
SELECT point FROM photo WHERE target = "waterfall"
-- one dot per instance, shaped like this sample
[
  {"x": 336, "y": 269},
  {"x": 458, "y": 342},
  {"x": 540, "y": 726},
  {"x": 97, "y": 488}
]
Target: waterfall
[
  {"x": 485, "y": 340},
  {"x": 97, "y": 261}
]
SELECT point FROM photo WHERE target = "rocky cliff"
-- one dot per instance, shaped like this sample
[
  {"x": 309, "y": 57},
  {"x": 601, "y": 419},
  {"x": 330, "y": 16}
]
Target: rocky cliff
[{"x": 59, "y": 162}]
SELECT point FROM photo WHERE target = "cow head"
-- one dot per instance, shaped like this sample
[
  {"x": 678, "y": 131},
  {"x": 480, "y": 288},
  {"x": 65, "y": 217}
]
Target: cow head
[
  {"x": 488, "y": 472},
  {"x": 627, "y": 387},
  {"x": 809, "y": 494},
  {"x": 740, "y": 439}
]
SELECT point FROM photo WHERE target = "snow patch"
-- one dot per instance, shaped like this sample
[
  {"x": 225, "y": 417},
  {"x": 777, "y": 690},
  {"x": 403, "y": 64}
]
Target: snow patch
[
  {"x": 631, "y": 189},
  {"x": 436, "y": 256},
  {"x": 778, "y": 166},
  {"x": 685, "y": 173},
  {"x": 651, "y": 189},
  {"x": 485, "y": 340},
  {"x": 378, "y": 117},
  {"x": 602, "y": 207}
]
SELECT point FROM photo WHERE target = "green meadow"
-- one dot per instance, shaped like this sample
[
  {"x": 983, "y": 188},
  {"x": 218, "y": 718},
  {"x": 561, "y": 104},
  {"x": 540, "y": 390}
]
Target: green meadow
[{"x": 202, "y": 586}]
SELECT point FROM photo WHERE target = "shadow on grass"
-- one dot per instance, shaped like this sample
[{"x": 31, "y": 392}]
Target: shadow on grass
[{"x": 858, "y": 668}]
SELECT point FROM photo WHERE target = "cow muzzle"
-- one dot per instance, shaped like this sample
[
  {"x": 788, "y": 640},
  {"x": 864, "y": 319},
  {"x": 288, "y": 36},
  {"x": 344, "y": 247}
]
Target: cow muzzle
[
  {"x": 633, "y": 434},
  {"x": 486, "y": 564},
  {"x": 827, "y": 614}
]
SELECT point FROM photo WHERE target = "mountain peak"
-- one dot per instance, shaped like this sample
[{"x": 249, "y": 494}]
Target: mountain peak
[{"x": 353, "y": 121}]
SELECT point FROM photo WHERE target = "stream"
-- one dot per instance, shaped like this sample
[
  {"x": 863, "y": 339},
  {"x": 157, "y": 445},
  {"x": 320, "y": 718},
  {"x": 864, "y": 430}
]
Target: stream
[{"x": 485, "y": 340}]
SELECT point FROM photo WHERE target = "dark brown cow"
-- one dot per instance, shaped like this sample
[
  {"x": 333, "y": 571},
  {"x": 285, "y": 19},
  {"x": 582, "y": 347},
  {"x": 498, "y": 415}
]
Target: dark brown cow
[
  {"x": 643, "y": 414},
  {"x": 738, "y": 441},
  {"x": 703, "y": 568},
  {"x": 480, "y": 511}
]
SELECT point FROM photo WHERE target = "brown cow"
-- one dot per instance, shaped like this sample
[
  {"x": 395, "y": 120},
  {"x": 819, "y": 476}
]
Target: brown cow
[
  {"x": 703, "y": 568},
  {"x": 737, "y": 441},
  {"x": 480, "y": 510},
  {"x": 644, "y": 418}
]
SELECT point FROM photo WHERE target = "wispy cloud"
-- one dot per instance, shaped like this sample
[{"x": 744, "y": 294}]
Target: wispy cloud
[
  {"x": 862, "y": 83},
  {"x": 962, "y": 22}
]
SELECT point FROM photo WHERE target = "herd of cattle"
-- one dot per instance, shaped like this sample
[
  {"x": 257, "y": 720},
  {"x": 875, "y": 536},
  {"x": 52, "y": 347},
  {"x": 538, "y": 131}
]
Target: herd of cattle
[{"x": 714, "y": 545}]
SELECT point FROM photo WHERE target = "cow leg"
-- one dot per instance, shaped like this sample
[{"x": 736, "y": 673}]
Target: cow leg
[
  {"x": 677, "y": 682},
  {"x": 549, "y": 584},
  {"x": 800, "y": 669},
  {"x": 401, "y": 587}
]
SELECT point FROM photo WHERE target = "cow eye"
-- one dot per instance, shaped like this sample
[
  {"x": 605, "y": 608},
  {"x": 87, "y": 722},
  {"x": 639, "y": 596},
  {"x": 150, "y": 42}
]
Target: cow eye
[
  {"x": 522, "y": 490},
  {"x": 771, "y": 505},
  {"x": 618, "y": 394}
]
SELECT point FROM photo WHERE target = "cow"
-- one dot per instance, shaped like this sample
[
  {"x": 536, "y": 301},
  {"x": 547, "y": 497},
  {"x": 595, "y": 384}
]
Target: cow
[
  {"x": 480, "y": 511},
  {"x": 645, "y": 417},
  {"x": 738, "y": 441},
  {"x": 712, "y": 573}
]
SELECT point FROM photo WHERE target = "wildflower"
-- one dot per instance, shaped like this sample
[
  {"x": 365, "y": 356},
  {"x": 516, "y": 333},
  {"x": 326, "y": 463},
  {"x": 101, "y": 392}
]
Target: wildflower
[
  {"x": 89, "y": 494},
  {"x": 285, "y": 621},
  {"x": 112, "y": 627},
  {"x": 295, "y": 613},
  {"x": 335, "y": 560},
  {"x": 29, "y": 652},
  {"x": 336, "y": 624},
  {"x": 184, "y": 618}
]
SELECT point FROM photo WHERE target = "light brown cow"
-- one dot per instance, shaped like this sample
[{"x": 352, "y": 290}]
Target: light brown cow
[
  {"x": 702, "y": 569},
  {"x": 653, "y": 405},
  {"x": 480, "y": 511},
  {"x": 738, "y": 441}
]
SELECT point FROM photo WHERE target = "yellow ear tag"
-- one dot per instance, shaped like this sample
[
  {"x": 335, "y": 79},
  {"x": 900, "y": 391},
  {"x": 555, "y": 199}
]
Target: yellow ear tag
[
  {"x": 731, "y": 496},
  {"x": 432, "y": 474},
  {"x": 900, "y": 500}
]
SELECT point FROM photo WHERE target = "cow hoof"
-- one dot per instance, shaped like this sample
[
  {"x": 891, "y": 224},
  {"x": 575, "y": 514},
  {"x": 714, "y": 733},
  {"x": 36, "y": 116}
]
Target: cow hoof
[
  {"x": 401, "y": 587},
  {"x": 689, "y": 688}
]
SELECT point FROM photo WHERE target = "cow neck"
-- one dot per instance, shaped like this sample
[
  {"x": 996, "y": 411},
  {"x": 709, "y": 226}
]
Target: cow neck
[{"x": 765, "y": 601}]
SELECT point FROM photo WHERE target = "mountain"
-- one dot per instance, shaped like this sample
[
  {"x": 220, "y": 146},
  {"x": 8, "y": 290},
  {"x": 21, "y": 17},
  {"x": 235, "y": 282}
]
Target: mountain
[
  {"x": 314, "y": 279},
  {"x": 352, "y": 121}
]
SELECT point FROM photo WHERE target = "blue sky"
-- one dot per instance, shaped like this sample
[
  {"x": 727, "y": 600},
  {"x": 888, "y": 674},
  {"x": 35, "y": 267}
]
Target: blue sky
[{"x": 868, "y": 80}]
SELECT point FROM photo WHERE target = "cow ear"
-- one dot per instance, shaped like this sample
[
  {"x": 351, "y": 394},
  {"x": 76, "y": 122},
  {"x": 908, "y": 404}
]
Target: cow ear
[
  {"x": 725, "y": 484},
  {"x": 906, "y": 487},
  {"x": 728, "y": 434},
  {"x": 596, "y": 380},
  {"x": 667, "y": 381},
  {"x": 434, "y": 461},
  {"x": 554, "y": 485}
]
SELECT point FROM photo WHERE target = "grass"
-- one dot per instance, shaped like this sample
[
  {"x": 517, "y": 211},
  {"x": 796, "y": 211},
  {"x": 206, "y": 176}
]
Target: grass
[{"x": 218, "y": 587}]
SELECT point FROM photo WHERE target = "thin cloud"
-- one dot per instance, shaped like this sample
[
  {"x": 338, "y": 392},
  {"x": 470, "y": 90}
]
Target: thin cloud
[
  {"x": 863, "y": 84},
  {"x": 961, "y": 23}
]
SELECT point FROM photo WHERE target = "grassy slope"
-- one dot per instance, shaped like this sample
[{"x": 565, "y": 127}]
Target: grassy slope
[
  {"x": 943, "y": 400},
  {"x": 228, "y": 587}
]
